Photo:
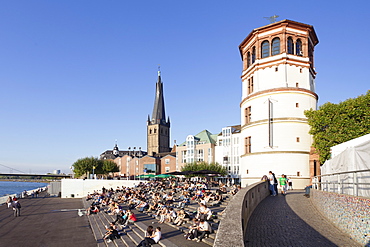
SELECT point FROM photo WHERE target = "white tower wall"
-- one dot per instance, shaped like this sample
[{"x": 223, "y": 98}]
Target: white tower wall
[{"x": 276, "y": 90}]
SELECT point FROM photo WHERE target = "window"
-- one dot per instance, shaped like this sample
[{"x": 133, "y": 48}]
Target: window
[
  {"x": 167, "y": 161},
  {"x": 296, "y": 84},
  {"x": 275, "y": 46},
  {"x": 166, "y": 169},
  {"x": 250, "y": 85},
  {"x": 149, "y": 168},
  {"x": 183, "y": 155},
  {"x": 155, "y": 131},
  {"x": 248, "y": 114},
  {"x": 298, "y": 48},
  {"x": 253, "y": 54},
  {"x": 298, "y": 139},
  {"x": 297, "y": 105},
  {"x": 209, "y": 154},
  {"x": 248, "y": 145},
  {"x": 265, "y": 49},
  {"x": 276, "y": 69},
  {"x": 200, "y": 155},
  {"x": 290, "y": 46},
  {"x": 248, "y": 59},
  {"x": 150, "y": 131}
]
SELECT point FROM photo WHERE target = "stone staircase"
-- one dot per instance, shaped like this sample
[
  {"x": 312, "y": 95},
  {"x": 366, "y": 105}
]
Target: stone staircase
[{"x": 172, "y": 235}]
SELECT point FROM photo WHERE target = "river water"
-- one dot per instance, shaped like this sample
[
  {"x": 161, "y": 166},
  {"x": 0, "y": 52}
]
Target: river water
[{"x": 12, "y": 187}]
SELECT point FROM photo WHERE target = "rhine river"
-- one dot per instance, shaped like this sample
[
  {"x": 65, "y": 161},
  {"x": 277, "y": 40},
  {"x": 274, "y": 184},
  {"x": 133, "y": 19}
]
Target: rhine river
[{"x": 10, "y": 187}]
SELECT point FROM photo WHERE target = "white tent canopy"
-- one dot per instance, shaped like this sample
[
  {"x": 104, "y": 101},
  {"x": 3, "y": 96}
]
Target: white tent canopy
[{"x": 351, "y": 156}]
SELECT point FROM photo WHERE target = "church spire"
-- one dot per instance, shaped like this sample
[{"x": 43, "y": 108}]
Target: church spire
[
  {"x": 159, "y": 114},
  {"x": 158, "y": 129}
]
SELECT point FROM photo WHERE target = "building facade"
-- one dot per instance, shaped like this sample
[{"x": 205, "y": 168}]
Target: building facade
[
  {"x": 227, "y": 151},
  {"x": 278, "y": 85},
  {"x": 115, "y": 153},
  {"x": 196, "y": 148}
]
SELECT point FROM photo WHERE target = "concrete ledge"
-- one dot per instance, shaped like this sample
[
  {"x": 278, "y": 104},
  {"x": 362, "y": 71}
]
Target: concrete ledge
[{"x": 233, "y": 227}]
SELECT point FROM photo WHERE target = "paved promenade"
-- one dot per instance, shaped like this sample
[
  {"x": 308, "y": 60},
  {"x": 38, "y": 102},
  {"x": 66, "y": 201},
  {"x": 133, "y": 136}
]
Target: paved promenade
[
  {"x": 292, "y": 220},
  {"x": 45, "y": 222}
]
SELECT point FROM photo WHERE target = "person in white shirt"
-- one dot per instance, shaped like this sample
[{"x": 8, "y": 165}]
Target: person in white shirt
[
  {"x": 154, "y": 239},
  {"x": 272, "y": 183},
  {"x": 203, "y": 229}
]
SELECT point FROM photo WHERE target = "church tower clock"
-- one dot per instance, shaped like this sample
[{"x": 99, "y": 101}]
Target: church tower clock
[{"x": 158, "y": 128}]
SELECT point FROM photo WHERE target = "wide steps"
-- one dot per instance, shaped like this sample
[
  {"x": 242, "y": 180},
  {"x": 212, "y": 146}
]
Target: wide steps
[{"x": 133, "y": 234}]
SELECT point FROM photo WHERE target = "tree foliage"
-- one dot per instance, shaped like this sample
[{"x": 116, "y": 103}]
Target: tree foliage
[
  {"x": 109, "y": 166},
  {"x": 84, "y": 166},
  {"x": 198, "y": 166},
  {"x": 333, "y": 124}
]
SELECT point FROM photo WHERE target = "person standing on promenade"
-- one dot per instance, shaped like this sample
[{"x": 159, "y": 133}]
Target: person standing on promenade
[
  {"x": 283, "y": 184},
  {"x": 16, "y": 208},
  {"x": 290, "y": 183},
  {"x": 9, "y": 201},
  {"x": 271, "y": 182},
  {"x": 275, "y": 184}
]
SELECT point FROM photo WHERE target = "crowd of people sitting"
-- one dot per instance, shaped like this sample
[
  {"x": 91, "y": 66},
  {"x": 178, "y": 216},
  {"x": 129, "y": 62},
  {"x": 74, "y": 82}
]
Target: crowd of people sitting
[{"x": 166, "y": 200}]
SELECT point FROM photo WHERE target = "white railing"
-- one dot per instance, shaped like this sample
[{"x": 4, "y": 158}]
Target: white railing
[{"x": 356, "y": 183}]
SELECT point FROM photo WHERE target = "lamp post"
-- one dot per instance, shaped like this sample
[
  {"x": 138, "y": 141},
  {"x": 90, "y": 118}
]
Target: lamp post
[
  {"x": 134, "y": 164},
  {"x": 72, "y": 171},
  {"x": 93, "y": 172},
  {"x": 128, "y": 163}
]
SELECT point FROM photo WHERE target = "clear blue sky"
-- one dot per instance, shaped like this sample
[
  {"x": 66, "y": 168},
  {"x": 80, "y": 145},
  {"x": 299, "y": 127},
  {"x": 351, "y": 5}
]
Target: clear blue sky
[{"x": 77, "y": 75}]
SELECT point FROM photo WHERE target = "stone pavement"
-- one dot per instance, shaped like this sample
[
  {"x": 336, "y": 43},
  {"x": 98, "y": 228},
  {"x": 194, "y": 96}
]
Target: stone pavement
[
  {"x": 292, "y": 220},
  {"x": 44, "y": 222}
]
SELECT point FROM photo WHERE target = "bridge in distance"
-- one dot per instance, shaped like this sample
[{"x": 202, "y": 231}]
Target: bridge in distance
[{"x": 34, "y": 175}]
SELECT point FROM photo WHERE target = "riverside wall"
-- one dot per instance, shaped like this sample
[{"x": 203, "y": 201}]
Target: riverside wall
[
  {"x": 349, "y": 213},
  {"x": 78, "y": 188},
  {"x": 233, "y": 227}
]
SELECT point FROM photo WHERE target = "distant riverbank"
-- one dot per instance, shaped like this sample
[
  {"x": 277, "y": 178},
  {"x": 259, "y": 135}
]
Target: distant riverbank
[{"x": 28, "y": 180}]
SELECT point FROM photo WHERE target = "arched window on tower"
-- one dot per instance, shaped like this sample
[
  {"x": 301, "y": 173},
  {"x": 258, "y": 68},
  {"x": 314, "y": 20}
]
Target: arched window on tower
[
  {"x": 253, "y": 54},
  {"x": 265, "y": 49},
  {"x": 290, "y": 46},
  {"x": 298, "y": 48},
  {"x": 248, "y": 59},
  {"x": 275, "y": 46}
]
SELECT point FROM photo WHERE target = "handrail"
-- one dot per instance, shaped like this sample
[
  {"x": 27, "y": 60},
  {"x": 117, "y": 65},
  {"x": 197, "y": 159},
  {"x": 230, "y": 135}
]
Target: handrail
[
  {"x": 338, "y": 173},
  {"x": 351, "y": 184}
]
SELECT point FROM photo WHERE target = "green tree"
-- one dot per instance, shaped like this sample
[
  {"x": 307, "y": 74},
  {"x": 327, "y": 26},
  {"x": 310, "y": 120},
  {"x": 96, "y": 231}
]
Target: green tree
[
  {"x": 333, "y": 124},
  {"x": 109, "y": 166},
  {"x": 198, "y": 166},
  {"x": 84, "y": 166}
]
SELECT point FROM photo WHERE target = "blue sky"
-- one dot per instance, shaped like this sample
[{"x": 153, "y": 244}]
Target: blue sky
[{"x": 77, "y": 75}]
